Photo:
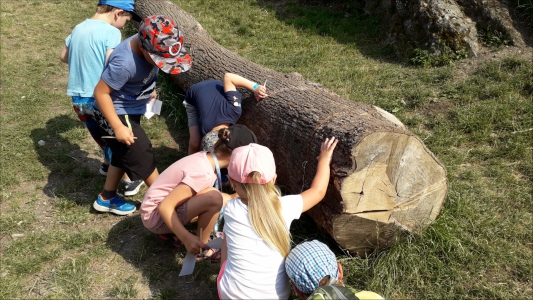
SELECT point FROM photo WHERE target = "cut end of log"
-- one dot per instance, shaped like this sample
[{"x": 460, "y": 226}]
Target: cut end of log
[
  {"x": 390, "y": 117},
  {"x": 397, "y": 185}
]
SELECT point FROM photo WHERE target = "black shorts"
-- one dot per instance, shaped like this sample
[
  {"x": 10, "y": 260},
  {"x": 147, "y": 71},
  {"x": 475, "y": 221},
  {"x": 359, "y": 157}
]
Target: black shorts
[{"x": 138, "y": 159}]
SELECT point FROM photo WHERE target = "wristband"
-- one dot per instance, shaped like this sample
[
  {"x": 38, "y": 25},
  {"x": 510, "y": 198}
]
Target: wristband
[{"x": 255, "y": 86}]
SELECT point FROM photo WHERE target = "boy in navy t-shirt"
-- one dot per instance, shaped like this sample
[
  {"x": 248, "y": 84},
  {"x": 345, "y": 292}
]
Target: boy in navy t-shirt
[
  {"x": 126, "y": 86},
  {"x": 214, "y": 104}
]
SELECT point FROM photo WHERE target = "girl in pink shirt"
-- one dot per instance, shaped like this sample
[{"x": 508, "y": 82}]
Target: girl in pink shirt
[{"x": 185, "y": 191}]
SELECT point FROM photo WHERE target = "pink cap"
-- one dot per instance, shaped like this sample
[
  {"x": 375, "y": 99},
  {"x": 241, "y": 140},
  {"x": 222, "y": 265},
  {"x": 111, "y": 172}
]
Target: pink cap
[{"x": 252, "y": 157}]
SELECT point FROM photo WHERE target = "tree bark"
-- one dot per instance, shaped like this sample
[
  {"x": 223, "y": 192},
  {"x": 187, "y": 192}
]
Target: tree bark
[
  {"x": 383, "y": 179},
  {"x": 445, "y": 24}
]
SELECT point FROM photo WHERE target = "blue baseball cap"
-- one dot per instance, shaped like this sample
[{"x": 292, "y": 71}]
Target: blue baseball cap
[
  {"x": 126, "y": 5},
  {"x": 308, "y": 263}
]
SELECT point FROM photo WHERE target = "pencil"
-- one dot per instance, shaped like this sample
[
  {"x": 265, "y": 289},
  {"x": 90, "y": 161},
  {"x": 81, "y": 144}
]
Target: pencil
[{"x": 113, "y": 137}]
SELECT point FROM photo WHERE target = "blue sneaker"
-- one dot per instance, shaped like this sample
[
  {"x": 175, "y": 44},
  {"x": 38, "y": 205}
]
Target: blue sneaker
[{"x": 115, "y": 205}]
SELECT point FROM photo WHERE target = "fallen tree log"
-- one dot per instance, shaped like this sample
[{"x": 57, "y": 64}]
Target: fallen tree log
[{"x": 383, "y": 178}]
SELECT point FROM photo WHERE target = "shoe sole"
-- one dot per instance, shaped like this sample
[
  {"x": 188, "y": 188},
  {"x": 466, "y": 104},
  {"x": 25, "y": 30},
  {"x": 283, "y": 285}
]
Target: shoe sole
[
  {"x": 101, "y": 208},
  {"x": 135, "y": 191},
  {"x": 103, "y": 173}
]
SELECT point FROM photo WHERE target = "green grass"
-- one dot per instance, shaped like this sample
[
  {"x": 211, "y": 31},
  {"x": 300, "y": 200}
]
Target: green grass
[{"x": 480, "y": 125}]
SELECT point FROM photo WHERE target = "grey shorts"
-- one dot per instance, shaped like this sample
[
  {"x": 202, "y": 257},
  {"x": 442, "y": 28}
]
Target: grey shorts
[
  {"x": 192, "y": 117},
  {"x": 162, "y": 228}
]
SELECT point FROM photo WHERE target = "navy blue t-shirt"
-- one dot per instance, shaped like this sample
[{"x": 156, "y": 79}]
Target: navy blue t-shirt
[{"x": 213, "y": 105}]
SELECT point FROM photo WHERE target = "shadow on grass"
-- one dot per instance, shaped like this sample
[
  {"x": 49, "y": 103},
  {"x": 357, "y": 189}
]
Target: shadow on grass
[
  {"x": 72, "y": 171},
  {"x": 160, "y": 263},
  {"x": 344, "y": 21}
]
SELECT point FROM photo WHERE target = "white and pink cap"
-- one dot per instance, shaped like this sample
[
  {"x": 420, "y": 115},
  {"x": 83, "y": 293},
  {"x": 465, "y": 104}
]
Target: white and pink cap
[{"x": 247, "y": 159}]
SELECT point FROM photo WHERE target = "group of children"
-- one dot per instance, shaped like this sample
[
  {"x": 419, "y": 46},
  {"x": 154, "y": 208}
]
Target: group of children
[{"x": 111, "y": 83}]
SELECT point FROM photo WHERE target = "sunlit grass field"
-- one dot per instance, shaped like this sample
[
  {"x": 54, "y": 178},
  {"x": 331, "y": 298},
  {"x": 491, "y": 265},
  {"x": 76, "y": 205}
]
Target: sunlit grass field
[{"x": 476, "y": 116}]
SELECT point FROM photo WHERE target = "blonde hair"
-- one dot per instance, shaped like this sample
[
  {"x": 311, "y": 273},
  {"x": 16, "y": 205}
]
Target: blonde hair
[
  {"x": 264, "y": 210},
  {"x": 104, "y": 8}
]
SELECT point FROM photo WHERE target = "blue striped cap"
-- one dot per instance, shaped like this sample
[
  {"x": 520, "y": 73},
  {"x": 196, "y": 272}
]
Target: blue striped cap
[
  {"x": 126, "y": 5},
  {"x": 308, "y": 263}
]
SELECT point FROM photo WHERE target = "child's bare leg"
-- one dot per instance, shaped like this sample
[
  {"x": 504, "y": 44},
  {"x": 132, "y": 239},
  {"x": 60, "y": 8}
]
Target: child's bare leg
[
  {"x": 206, "y": 205},
  {"x": 194, "y": 139},
  {"x": 151, "y": 178},
  {"x": 126, "y": 177},
  {"x": 114, "y": 175}
]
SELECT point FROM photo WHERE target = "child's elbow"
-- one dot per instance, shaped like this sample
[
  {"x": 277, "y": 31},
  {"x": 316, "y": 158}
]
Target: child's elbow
[
  {"x": 321, "y": 194},
  {"x": 162, "y": 208},
  {"x": 63, "y": 57},
  {"x": 227, "y": 77}
]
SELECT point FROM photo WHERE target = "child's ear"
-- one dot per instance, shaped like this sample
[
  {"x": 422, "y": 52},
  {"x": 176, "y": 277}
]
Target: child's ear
[
  {"x": 117, "y": 13},
  {"x": 231, "y": 182},
  {"x": 340, "y": 271},
  {"x": 275, "y": 177}
]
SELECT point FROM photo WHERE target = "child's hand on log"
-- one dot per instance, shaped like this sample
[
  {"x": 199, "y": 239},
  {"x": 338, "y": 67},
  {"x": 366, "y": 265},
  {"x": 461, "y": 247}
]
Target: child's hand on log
[
  {"x": 326, "y": 150},
  {"x": 260, "y": 93}
]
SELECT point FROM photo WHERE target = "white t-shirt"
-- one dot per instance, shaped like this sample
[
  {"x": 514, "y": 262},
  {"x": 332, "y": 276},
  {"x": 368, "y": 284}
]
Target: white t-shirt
[{"x": 254, "y": 270}]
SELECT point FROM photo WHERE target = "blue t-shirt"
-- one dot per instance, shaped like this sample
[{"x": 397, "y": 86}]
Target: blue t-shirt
[
  {"x": 131, "y": 77},
  {"x": 87, "y": 46},
  {"x": 213, "y": 105}
]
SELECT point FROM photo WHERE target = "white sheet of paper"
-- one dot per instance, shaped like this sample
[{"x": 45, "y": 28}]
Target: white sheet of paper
[
  {"x": 188, "y": 264},
  {"x": 153, "y": 108},
  {"x": 216, "y": 243},
  {"x": 190, "y": 259}
]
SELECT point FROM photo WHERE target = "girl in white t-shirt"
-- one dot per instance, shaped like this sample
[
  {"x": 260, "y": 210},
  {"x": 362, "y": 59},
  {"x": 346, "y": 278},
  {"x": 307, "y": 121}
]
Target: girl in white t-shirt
[
  {"x": 185, "y": 191},
  {"x": 256, "y": 225}
]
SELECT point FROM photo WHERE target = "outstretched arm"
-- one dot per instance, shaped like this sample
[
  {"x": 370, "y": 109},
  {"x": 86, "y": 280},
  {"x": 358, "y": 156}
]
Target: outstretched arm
[
  {"x": 319, "y": 186},
  {"x": 232, "y": 81},
  {"x": 64, "y": 55}
]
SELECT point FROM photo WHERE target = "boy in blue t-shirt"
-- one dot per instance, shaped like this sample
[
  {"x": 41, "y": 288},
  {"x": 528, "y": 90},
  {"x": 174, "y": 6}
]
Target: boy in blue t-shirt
[
  {"x": 126, "y": 86},
  {"x": 86, "y": 51}
]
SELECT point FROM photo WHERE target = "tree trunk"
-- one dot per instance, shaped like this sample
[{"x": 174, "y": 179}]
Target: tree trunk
[
  {"x": 443, "y": 25},
  {"x": 383, "y": 179}
]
